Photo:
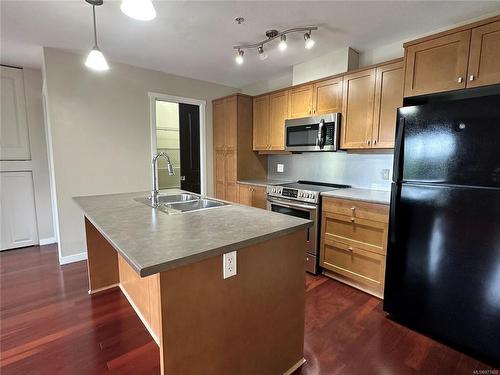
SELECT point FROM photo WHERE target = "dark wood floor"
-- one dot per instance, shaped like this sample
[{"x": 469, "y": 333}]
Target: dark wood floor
[{"x": 50, "y": 325}]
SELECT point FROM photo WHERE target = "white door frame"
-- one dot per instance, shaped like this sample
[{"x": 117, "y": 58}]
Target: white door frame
[{"x": 153, "y": 97}]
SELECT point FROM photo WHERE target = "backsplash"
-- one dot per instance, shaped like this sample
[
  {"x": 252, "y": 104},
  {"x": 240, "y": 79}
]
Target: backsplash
[{"x": 357, "y": 170}]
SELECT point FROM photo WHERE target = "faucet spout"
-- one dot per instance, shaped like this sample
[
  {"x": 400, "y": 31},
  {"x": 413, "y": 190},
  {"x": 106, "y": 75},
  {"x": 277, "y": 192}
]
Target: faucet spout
[{"x": 171, "y": 172}]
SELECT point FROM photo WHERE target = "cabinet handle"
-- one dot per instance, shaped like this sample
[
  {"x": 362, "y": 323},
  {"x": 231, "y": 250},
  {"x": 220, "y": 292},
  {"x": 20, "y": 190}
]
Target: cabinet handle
[
  {"x": 374, "y": 142},
  {"x": 460, "y": 80},
  {"x": 368, "y": 142},
  {"x": 353, "y": 208},
  {"x": 349, "y": 248},
  {"x": 352, "y": 220},
  {"x": 471, "y": 78}
]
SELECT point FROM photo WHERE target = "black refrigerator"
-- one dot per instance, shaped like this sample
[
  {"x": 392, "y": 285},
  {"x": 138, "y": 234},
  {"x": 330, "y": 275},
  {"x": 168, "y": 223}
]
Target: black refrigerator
[{"x": 443, "y": 257}]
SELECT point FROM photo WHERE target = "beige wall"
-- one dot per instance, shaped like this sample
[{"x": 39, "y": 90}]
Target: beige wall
[{"x": 100, "y": 131}]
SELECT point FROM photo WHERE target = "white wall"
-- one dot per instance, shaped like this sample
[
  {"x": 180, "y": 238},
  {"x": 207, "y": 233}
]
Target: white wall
[
  {"x": 100, "y": 132},
  {"x": 276, "y": 83}
]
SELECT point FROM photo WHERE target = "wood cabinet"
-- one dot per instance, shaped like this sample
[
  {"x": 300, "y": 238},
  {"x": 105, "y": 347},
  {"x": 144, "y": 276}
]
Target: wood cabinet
[
  {"x": 388, "y": 98},
  {"x": 358, "y": 105},
  {"x": 371, "y": 98},
  {"x": 354, "y": 243},
  {"x": 233, "y": 155},
  {"x": 301, "y": 101},
  {"x": 484, "y": 55},
  {"x": 269, "y": 115},
  {"x": 456, "y": 59},
  {"x": 252, "y": 195},
  {"x": 327, "y": 96}
]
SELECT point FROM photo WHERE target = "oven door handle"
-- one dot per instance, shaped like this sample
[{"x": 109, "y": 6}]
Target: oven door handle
[{"x": 292, "y": 205}]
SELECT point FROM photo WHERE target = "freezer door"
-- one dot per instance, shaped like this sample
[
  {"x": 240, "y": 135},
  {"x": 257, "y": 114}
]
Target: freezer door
[
  {"x": 453, "y": 142},
  {"x": 443, "y": 264}
]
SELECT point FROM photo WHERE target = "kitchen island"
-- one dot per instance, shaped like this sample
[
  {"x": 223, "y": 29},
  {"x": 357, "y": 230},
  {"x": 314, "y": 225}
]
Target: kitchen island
[{"x": 169, "y": 265}]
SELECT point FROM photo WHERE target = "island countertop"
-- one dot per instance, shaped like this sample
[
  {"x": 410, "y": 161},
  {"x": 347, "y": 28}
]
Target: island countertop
[{"x": 153, "y": 241}]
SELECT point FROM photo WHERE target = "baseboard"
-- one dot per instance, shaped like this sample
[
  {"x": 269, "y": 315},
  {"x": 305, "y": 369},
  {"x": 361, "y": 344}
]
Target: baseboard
[
  {"x": 72, "y": 258},
  {"x": 47, "y": 241},
  {"x": 295, "y": 367},
  {"x": 138, "y": 312}
]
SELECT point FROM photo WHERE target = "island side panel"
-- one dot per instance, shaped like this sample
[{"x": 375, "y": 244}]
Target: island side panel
[
  {"x": 102, "y": 260},
  {"x": 252, "y": 323}
]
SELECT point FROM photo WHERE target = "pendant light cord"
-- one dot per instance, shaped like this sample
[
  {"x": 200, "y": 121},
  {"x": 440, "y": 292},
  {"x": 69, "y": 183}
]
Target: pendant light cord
[{"x": 95, "y": 28}]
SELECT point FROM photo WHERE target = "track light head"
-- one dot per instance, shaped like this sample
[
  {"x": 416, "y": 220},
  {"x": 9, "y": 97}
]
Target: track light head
[
  {"x": 282, "y": 46},
  {"x": 262, "y": 53},
  {"x": 309, "y": 41},
  {"x": 239, "y": 57}
]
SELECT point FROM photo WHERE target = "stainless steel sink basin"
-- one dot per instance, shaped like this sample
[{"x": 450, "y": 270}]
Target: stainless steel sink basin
[
  {"x": 170, "y": 198},
  {"x": 199, "y": 204}
]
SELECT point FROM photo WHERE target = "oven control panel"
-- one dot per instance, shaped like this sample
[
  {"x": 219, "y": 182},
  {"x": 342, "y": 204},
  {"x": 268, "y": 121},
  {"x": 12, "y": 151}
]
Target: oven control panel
[{"x": 295, "y": 194}]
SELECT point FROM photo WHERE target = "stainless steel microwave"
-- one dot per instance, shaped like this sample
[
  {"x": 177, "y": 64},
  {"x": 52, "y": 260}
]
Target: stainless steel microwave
[{"x": 315, "y": 133}]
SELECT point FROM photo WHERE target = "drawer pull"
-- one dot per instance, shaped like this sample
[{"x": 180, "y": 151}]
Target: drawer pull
[
  {"x": 349, "y": 248},
  {"x": 352, "y": 220},
  {"x": 353, "y": 208}
]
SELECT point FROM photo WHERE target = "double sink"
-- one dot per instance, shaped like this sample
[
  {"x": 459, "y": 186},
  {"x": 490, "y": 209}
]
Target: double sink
[{"x": 183, "y": 202}]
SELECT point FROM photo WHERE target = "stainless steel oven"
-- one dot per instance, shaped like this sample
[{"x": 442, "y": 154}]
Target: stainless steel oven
[
  {"x": 304, "y": 211},
  {"x": 315, "y": 133}
]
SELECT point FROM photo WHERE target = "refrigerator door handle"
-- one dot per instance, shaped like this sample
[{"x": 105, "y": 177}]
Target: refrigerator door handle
[
  {"x": 395, "y": 196},
  {"x": 399, "y": 152}
]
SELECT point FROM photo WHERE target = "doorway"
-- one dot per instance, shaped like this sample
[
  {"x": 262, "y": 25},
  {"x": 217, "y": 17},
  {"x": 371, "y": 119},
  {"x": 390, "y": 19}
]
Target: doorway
[{"x": 177, "y": 129}]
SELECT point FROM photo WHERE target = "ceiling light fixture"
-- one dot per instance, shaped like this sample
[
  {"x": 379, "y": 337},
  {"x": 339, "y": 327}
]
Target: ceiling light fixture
[
  {"x": 262, "y": 53},
  {"x": 95, "y": 59},
  {"x": 239, "y": 57},
  {"x": 142, "y": 10},
  {"x": 272, "y": 35},
  {"x": 309, "y": 41},
  {"x": 282, "y": 46}
]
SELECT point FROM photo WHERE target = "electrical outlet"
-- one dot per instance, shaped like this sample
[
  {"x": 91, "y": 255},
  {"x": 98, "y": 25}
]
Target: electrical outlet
[
  {"x": 229, "y": 264},
  {"x": 280, "y": 168},
  {"x": 385, "y": 173}
]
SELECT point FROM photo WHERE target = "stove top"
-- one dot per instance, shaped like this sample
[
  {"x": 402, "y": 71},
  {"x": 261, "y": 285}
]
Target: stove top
[{"x": 304, "y": 191}]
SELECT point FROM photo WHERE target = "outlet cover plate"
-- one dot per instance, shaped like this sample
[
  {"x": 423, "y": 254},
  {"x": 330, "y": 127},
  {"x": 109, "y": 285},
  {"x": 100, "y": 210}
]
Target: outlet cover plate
[
  {"x": 229, "y": 264},
  {"x": 385, "y": 174},
  {"x": 280, "y": 168}
]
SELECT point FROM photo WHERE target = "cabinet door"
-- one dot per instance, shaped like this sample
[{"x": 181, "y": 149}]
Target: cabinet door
[
  {"x": 357, "y": 108},
  {"x": 219, "y": 174},
  {"x": 219, "y": 125},
  {"x": 437, "y": 65},
  {"x": 261, "y": 123},
  {"x": 231, "y": 122},
  {"x": 327, "y": 96},
  {"x": 17, "y": 210},
  {"x": 259, "y": 197},
  {"x": 278, "y": 113},
  {"x": 14, "y": 142},
  {"x": 301, "y": 101},
  {"x": 230, "y": 186},
  {"x": 484, "y": 56},
  {"x": 245, "y": 194},
  {"x": 388, "y": 98}
]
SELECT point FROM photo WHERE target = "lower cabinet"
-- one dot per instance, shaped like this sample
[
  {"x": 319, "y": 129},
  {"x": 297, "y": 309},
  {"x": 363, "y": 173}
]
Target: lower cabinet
[
  {"x": 252, "y": 195},
  {"x": 354, "y": 243}
]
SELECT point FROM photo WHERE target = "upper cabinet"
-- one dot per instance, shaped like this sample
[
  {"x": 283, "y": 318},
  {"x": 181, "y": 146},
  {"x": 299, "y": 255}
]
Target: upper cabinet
[
  {"x": 358, "y": 105},
  {"x": 301, "y": 101},
  {"x": 484, "y": 56},
  {"x": 225, "y": 123},
  {"x": 327, "y": 96},
  {"x": 278, "y": 113},
  {"x": 14, "y": 142},
  {"x": 451, "y": 60},
  {"x": 261, "y": 123},
  {"x": 388, "y": 98}
]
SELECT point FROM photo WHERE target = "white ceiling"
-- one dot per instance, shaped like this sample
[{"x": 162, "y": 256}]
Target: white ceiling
[{"x": 195, "y": 39}]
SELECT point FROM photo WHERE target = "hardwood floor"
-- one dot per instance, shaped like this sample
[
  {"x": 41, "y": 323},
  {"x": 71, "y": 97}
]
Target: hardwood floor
[{"x": 50, "y": 325}]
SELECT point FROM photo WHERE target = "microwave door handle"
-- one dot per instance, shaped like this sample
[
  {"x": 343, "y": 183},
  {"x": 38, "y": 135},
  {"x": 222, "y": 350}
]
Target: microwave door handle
[{"x": 320, "y": 141}]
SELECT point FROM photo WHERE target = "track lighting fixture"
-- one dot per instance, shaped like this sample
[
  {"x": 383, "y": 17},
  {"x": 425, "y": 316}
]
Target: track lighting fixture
[
  {"x": 239, "y": 57},
  {"x": 262, "y": 53},
  {"x": 95, "y": 59},
  {"x": 282, "y": 46},
  {"x": 142, "y": 10},
  {"x": 309, "y": 41},
  {"x": 271, "y": 35}
]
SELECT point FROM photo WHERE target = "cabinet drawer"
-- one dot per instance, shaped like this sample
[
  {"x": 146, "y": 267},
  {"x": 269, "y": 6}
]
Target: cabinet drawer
[
  {"x": 362, "y": 267},
  {"x": 365, "y": 234},
  {"x": 357, "y": 209}
]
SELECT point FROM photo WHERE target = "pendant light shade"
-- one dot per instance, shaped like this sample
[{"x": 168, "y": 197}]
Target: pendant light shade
[
  {"x": 96, "y": 60},
  {"x": 142, "y": 10}
]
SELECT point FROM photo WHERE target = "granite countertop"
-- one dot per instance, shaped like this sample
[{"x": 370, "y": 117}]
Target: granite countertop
[
  {"x": 366, "y": 195},
  {"x": 263, "y": 182},
  {"x": 153, "y": 241}
]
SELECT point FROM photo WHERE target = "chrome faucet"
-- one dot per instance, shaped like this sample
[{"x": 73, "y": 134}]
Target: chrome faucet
[{"x": 171, "y": 172}]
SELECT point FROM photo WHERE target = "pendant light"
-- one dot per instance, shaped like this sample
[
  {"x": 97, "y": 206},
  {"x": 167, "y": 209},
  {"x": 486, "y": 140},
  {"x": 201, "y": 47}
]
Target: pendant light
[
  {"x": 142, "y": 10},
  {"x": 95, "y": 59}
]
